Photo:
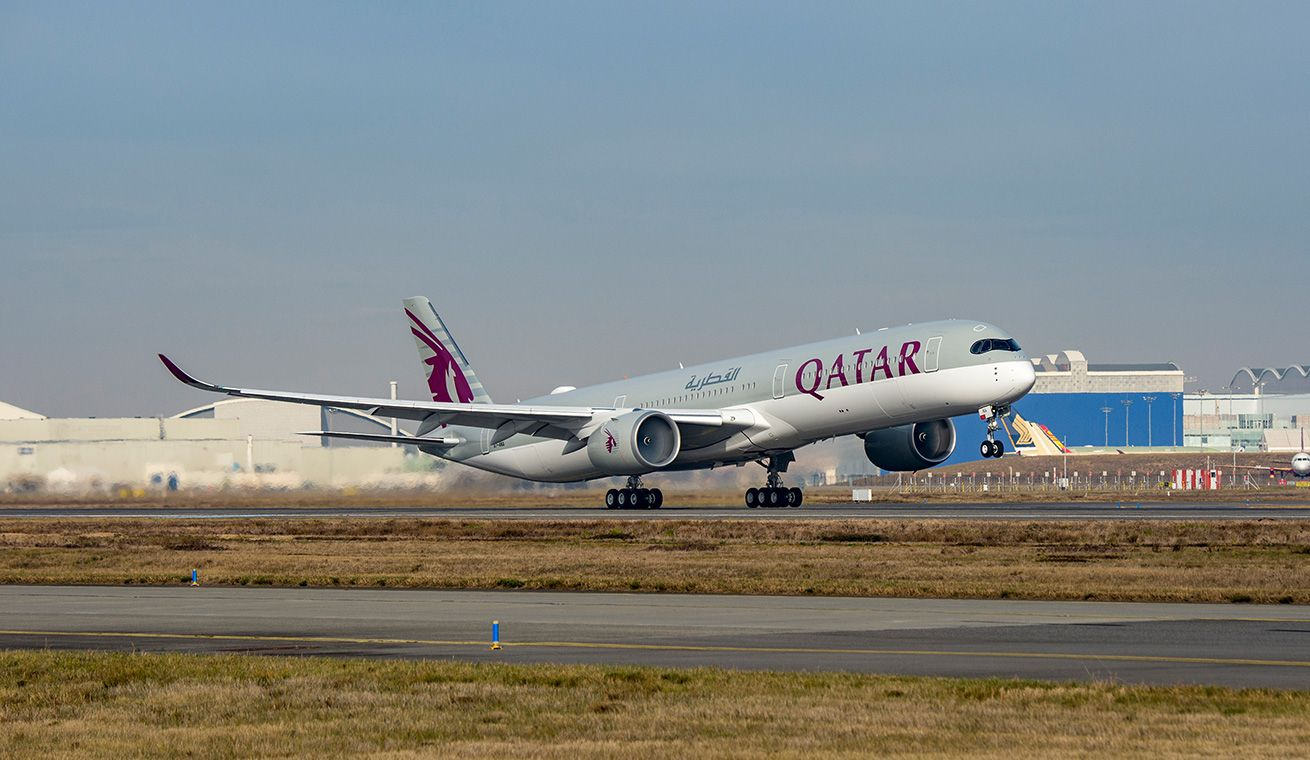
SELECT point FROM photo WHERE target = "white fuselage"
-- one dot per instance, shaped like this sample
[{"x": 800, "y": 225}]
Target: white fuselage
[{"x": 784, "y": 400}]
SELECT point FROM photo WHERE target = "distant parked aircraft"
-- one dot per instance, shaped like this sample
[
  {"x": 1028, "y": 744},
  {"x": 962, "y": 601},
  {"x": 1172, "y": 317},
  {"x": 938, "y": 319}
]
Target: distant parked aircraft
[
  {"x": 895, "y": 388},
  {"x": 1299, "y": 467}
]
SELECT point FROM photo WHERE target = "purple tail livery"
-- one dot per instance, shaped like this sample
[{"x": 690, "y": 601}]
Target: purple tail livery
[{"x": 450, "y": 378}]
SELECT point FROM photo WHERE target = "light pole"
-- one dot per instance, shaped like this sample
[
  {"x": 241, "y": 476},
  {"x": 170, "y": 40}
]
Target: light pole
[
  {"x": 1148, "y": 400},
  {"x": 1174, "y": 406},
  {"x": 1127, "y": 403},
  {"x": 1106, "y": 411}
]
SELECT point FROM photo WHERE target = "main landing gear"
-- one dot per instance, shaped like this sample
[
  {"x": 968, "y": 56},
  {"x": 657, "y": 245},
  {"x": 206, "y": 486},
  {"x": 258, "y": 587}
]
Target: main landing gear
[
  {"x": 634, "y": 496},
  {"x": 992, "y": 447},
  {"x": 774, "y": 494}
]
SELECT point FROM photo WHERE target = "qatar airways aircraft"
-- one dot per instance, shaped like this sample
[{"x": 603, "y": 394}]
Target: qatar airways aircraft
[{"x": 896, "y": 388}]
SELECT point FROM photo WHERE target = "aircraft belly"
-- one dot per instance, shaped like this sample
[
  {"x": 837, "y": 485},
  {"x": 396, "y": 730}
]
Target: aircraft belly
[
  {"x": 727, "y": 449},
  {"x": 549, "y": 462}
]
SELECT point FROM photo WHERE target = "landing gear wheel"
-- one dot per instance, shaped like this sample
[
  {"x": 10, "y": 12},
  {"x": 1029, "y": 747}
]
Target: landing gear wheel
[
  {"x": 992, "y": 448},
  {"x": 657, "y": 498},
  {"x": 612, "y": 499},
  {"x": 774, "y": 494},
  {"x": 625, "y": 498}
]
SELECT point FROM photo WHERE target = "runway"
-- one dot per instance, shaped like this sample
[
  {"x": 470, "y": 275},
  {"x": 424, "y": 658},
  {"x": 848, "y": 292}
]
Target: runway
[
  {"x": 1127, "y": 510},
  {"x": 1247, "y": 645}
]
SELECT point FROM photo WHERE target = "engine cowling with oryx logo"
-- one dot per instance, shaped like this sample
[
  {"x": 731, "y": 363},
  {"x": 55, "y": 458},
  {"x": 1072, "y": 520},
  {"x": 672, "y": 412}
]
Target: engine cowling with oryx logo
[
  {"x": 635, "y": 443},
  {"x": 911, "y": 447}
]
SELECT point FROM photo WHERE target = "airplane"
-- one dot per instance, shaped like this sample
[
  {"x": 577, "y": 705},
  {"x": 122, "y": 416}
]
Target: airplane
[
  {"x": 896, "y": 388},
  {"x": 1299, "y": 466}
]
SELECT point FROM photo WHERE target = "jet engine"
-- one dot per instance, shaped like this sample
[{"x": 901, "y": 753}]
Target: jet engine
[
  {"x": 911, "y": 447},
  {"x": 634, "y": 443}
]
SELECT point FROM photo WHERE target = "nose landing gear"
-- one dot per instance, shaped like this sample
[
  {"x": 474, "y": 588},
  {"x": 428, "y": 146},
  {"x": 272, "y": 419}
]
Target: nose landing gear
[
  {"x": 992, "y": 447},
  {"x": 634, "y": 496},
  {"x": 774, "y": 494}
]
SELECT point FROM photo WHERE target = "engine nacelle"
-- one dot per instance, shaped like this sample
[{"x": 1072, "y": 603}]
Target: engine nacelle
[
  {"x": 635, "y": 443},
  {"x": 911, "y": 447}
]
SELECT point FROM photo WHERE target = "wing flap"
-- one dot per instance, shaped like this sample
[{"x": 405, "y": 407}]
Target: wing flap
[{"x": 407, "y": 440}]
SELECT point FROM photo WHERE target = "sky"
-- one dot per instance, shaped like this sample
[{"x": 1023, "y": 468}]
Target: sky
[{"x": 593, "y": 190}]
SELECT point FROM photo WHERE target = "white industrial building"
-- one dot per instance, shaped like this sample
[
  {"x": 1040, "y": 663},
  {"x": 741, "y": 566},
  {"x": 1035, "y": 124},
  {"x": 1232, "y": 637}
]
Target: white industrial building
[
  {"x": 1069, "y": 372},
  {"x": 1261, "y": 409},
  {"x": 233, "y": 442}
]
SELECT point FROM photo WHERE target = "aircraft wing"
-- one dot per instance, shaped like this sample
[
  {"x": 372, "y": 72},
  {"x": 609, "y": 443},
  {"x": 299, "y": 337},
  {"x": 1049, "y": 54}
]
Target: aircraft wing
[
  {"x": 1272, "y": 470},
  {"x": 562, "y": 422}
]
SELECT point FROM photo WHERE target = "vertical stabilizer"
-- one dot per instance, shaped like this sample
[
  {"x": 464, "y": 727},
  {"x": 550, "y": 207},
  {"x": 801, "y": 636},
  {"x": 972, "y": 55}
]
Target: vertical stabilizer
[{"x": 450, "y": 377}]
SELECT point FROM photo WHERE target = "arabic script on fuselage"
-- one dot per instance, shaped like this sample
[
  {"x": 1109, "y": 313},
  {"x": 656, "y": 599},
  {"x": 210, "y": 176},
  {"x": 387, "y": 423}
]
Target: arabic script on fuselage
[{"x": 712, "y": 378}]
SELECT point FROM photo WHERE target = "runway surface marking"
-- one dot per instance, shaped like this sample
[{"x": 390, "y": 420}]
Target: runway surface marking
[{"x": 677, "y": 647}]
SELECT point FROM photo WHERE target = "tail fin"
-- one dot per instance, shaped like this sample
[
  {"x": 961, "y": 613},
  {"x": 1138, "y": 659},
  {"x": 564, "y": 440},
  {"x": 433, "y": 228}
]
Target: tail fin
[{"x": 450, "y": 377}]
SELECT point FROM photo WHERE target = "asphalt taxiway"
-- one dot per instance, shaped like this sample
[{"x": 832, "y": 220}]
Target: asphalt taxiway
[
  {"x": 1126, "y": 510},
  {"x": 1232, "y": 645}
]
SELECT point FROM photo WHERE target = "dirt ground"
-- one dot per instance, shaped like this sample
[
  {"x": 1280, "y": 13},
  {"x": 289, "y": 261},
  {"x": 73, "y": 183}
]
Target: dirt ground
[{"x": 1201, "y": 561}]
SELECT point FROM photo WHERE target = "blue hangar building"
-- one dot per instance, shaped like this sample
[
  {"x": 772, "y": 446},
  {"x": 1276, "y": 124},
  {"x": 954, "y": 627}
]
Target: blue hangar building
[{"x": 1076, "y": 404}]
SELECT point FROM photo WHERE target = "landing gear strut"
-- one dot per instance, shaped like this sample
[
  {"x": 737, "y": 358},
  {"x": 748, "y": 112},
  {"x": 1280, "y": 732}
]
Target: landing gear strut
[
  {"x": 992, "y": 414},
  {"x": 634, "y": 496},
  {"x": 774, "y": 494}
]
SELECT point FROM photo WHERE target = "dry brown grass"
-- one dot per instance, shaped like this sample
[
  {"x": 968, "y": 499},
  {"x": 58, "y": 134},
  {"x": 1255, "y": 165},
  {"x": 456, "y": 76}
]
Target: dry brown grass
[
  {"x": 1212, "y": 561},
  {"x": 85, "y": 705},
  {"x": 115, "y": 705}
]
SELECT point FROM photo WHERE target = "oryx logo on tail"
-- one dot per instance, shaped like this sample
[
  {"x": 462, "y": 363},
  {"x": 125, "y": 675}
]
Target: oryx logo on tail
[
  {"x": 451, "y": 378},
  {"x": 445, "y": 377}
]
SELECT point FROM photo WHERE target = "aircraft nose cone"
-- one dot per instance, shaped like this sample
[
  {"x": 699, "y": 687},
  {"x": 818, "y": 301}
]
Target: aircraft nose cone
[{"x": 1024, "y": 377}]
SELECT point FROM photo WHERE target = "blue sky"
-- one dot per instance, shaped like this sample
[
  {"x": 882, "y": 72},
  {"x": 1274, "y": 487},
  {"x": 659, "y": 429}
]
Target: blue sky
[{"x": 593, "y": 190}]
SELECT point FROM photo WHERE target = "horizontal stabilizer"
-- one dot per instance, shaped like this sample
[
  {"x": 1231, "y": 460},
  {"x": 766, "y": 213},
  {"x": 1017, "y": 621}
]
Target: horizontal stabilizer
[{"x": 407, "y": 440}]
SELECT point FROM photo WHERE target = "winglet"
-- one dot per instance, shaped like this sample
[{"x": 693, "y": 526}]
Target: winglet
[{"x": 182, "y": 376}]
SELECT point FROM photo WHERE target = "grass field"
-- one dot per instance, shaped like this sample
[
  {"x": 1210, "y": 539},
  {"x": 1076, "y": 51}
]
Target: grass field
[
  {"x": 84, "y": 705},
  {"x": 1209, "y": 561}
]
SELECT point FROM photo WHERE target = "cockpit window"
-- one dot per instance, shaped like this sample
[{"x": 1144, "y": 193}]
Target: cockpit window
[{"x": 994, "y": 344}]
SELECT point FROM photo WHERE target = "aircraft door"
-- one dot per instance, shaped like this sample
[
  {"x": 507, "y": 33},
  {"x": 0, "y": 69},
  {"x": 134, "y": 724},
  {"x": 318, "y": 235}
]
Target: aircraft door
[
  {"x": 931, "y": 353},
  {"x": 780, "y": 380}
]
